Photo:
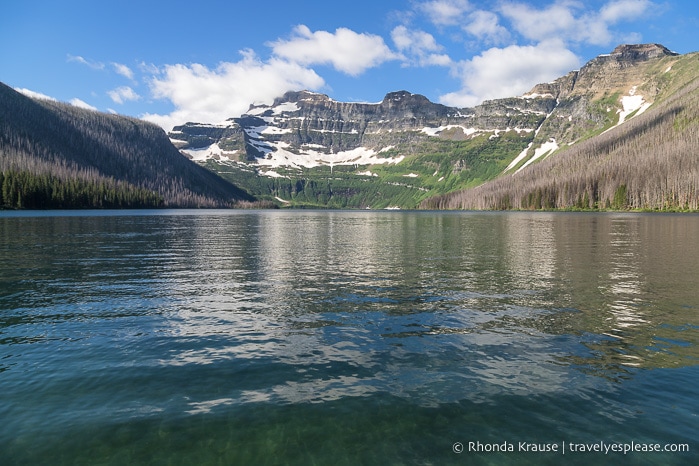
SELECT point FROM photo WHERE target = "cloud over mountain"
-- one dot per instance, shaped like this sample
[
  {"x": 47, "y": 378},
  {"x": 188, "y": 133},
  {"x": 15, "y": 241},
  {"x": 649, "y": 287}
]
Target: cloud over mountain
[
  {"x": 345, "y": 50},
  {"x": 214, "y": 95}
]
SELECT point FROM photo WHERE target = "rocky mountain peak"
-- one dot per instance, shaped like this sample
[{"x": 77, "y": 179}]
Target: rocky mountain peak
[
  {"x": 301, "y": 96},
  {"x": 399, "y": 96},
  {"x": 405, "y": 98},
  {"x": 615, "y": 71},
  {"x": 640, "y": 52},
  {"x": 408, "y": 105}
]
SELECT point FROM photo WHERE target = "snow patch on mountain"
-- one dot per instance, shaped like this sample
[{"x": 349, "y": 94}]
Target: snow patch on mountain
[
  {"x": 276, "y": 110},
  {"x": 257, "y": 131},
  {"x": 436, "y": 131},
  {"x": 546, "y": 149},
  {"x": 272, "y": 174},
  {"x": 213, "y": 151},
  {"x": 534, "y": 95},
  {"x": 632, "y": 103},
  {"x": 278, "y": 154},
  {"x": 522, "y": 155}
]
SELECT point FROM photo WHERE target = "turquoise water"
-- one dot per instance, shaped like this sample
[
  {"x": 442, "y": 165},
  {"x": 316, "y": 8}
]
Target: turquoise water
[{"x": 304, "y": 337}]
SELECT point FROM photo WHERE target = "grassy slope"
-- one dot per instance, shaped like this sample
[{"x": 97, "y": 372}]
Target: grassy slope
[{"x": 440, "y": 165}]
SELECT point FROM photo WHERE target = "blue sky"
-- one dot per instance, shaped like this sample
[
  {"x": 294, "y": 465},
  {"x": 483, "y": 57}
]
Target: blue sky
[{"x": 175, "y": 61}]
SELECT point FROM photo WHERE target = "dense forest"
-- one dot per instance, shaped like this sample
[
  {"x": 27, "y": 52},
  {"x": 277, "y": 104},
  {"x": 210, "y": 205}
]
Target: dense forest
[
  {"x": 649, "y": 163},
  {"x": 54, "y": 155},
  {"x": 27, "y": 190}
]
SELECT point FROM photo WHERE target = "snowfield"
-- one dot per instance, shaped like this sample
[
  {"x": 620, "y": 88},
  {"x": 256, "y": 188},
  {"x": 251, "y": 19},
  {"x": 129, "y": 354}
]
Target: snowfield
[
  {"x": 210, "y": 152},
  {"x": 631, "y": 103}
]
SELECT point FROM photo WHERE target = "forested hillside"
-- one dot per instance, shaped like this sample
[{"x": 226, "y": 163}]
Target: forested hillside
[
  {"x": 650, "y": 162},
  {"x": 54, "y": 155}
]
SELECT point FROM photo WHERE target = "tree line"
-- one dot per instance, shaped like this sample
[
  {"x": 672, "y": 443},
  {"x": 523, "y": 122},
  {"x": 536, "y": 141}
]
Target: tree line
[{"x": 26, "y": 190}]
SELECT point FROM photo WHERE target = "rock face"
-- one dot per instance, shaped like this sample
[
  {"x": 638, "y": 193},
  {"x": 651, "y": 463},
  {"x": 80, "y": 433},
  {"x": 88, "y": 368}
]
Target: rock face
[
  {"x": 306, "y": 129},
  {"x": 309, "y": 129},
  {"x": 640, "y": 52}
]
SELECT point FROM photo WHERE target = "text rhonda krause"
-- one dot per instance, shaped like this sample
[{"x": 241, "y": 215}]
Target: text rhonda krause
[{"x": 573, "y": 447}]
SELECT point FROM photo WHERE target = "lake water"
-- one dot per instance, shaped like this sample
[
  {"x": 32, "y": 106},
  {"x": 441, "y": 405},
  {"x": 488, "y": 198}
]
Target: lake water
[{"x": 307, "y": 337}]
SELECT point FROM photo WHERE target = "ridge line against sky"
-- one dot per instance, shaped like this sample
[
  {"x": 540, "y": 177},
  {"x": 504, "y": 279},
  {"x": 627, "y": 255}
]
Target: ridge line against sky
[{"x": 171, "y": 62}]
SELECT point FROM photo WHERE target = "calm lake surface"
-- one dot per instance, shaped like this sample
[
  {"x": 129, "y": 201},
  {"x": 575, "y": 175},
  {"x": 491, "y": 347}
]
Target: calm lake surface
[{"x": 307, "y": 337}]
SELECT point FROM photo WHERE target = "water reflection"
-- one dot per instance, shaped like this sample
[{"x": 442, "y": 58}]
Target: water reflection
[
  {"x": 378, "y": 301},
  {"x": 629, "y": 277},
  {"x": 434, "y": 307},
  {"x": 198, "y": 332}
]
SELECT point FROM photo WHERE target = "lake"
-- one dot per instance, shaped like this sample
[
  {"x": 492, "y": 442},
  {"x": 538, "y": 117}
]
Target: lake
[{"x": 348, "y": 337}]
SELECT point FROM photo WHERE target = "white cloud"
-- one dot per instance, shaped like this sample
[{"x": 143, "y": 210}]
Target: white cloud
[
  {"x": 347, "y": 51},
  {"x": 445, "y": 12},
  {"x": 123, "y": 70},
  {"x": 420, "y": 47},
  {"x": 621, "y": 10},
  {"x": 34, "y": 94},
  {"x": 509, "y": 71},
  {"x": 205, "y": 95},
  {"x": 123, "y": 94},
  {"x": 555, "y": 20},
  {"x": 95, "y": 65},
  {"x": 485, "y": 25},
  {"x": 569, "y": 21},
  {"x": 149, "y": 68},
  {"x": 82, "y": 104}
]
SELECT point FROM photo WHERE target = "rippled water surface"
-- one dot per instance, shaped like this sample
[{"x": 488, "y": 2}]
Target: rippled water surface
[{"x": 302, "y": 337}]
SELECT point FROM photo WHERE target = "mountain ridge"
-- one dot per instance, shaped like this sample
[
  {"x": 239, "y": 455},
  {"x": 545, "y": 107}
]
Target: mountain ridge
[
  {"x": 415, "y": 148},
  {"x": 308, "y": 150}
]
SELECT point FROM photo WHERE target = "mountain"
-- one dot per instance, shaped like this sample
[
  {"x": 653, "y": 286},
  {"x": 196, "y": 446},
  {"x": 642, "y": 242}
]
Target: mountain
[
  {"x": 54, "y": 155},
  {"x": 307, "y": 149},
  {"x": 621, "y": 132},
  {"x": 645, "y": 158}
]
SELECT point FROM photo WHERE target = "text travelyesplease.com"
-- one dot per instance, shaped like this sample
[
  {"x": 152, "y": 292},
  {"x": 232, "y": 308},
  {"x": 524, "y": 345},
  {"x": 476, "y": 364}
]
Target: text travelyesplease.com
[{"x": 569, "y": 447}]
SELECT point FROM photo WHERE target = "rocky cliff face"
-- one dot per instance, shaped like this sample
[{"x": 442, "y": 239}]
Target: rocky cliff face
[
  {"x": 309, "y": 129},
  {"x": 305, "y": 129},
  {"x": 605, "y": 72}
]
